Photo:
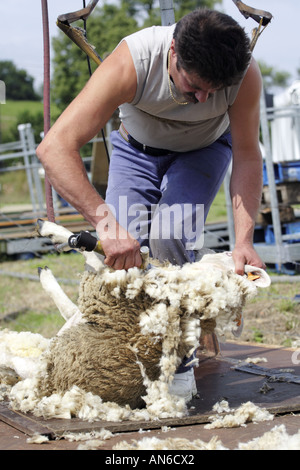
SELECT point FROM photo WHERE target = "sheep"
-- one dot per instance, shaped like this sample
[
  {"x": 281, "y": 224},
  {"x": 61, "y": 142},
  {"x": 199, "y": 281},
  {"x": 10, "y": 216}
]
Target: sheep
[{"x": 131, "y": 330}]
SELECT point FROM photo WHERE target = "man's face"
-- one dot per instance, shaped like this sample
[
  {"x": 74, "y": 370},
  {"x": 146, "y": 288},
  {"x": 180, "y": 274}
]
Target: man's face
[{"x": 190, "y": 85}]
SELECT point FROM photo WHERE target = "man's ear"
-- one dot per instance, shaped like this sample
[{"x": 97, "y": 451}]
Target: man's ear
[{"x": 172, "y": 47}]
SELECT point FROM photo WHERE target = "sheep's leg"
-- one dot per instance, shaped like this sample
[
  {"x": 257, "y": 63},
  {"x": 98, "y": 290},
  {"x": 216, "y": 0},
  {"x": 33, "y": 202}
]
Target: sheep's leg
[
  {"x": 60, "y": 236},
  {"x": 69, "y": 311},
  {"x": 57, "y": 233}
]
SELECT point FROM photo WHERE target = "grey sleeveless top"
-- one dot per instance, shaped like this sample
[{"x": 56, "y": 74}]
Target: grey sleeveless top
[{"x": 153, "y": 118}]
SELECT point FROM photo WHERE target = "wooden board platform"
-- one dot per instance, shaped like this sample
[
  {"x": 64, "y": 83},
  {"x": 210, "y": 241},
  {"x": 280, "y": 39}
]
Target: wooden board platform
[{"x": 216, "y": 380}]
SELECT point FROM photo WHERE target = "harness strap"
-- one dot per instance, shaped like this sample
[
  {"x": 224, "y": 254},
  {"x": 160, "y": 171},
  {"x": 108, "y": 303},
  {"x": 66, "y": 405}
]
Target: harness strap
[
  {"x": 77, "y": 35},
  {"x": 260, "y": 16},
  {"x": 254, "y": 13},
  {"x": 82, "y": 14}
]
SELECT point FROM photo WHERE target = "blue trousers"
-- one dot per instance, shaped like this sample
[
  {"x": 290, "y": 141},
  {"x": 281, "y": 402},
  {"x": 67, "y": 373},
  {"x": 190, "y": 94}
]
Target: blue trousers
[{"x": 164, "y": 201}]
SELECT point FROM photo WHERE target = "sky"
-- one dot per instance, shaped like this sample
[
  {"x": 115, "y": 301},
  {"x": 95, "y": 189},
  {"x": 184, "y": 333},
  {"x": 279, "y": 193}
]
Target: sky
[{"x": 21, "y": 32}]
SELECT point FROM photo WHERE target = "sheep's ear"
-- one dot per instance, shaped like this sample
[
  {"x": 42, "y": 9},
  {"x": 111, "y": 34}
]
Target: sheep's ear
[{"x": 258, "y": 276}]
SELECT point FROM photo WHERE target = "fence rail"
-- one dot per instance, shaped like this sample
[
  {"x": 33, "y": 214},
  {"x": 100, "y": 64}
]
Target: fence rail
[
  {"x": 23, "y": 152},
  {"x": 281, "y": 251},
  {"x": 285, "y": 247}
]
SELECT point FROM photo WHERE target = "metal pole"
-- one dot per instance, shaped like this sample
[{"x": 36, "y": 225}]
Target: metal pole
[
  {"x": 25, "y": 154},
  {"x": 47, "y": 120},
  {"x": 167, "y": 12},
  {"x": 271, "y": 179},
  {"x": 34, "y": 165},
  {"x": 230, "y": 218}
]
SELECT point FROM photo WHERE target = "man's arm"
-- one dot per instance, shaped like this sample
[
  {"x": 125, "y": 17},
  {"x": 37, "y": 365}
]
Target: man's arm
[
  {"x": 246, "y": 179},
  {"x": 112, "y": 84}
]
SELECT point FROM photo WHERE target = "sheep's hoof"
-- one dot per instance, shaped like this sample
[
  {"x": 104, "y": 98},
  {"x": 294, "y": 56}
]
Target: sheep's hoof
[
  {"x": 40, "y": 224},
  {"x": 40, "y": 270}
]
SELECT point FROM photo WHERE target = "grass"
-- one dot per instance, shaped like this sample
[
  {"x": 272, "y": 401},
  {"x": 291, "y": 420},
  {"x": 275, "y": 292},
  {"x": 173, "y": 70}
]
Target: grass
[
  {"x": 218, "y": 210},
  {"x": 24, "y": 306},
  {"x": 13, "y": 113},
  {"x": 14, "y": 188},
  {"x": 10, "y": 111},
  {"x": 258, "y": 335},
  {"x": 271, "y": 317},
  {"x": 13, "y": 185},
  {"x": 45, "y": 323}
]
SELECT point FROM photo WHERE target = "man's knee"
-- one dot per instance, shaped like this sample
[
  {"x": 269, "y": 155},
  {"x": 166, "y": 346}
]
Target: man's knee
[{"x": 176, "y": 232}]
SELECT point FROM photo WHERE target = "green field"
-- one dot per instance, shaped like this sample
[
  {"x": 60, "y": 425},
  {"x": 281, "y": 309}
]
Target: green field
[
  {"x": 13, "y": 113},
  {"x": 218, "y": 210},
  {"x": 13, "y": 185},
  {"x": 272, "y": 317},
  {"x": 11, "y": 110}
]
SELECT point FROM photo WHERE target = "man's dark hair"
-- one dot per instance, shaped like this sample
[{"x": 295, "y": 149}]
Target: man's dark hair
[{"x": 212, "y": 45}]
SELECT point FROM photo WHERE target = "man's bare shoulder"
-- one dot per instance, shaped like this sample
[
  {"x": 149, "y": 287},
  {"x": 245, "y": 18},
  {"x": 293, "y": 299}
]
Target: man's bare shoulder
[{"x": 118, "y": 72}]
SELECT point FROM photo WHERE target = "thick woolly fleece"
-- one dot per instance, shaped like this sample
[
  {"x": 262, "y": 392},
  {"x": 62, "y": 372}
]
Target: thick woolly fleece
[
  {"x": 136, "y": 327},
  {"x": 139, "y": 327}
]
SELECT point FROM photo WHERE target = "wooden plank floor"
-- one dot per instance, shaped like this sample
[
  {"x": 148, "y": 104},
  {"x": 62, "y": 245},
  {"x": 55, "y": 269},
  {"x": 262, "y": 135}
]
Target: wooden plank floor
[
  {"x": 216, "y": 380},
  {"x": 13, "y": 439}
]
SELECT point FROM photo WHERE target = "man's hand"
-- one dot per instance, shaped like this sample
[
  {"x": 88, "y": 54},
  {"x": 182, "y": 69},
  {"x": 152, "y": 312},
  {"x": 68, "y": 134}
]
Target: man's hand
[
  {"x": 245, "y": 254},
  {"x": 121, "y": 250}
]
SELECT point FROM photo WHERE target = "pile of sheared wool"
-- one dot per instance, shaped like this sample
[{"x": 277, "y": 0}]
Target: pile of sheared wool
[
  {"x": 172, "y": 443},
  {"x": 246, "y": 413},
  {"x": 22, "y": 351},
  {"x": 21, "y": 357},
  {"x": 276, "y": 439},
  {"x": 84, "y": 405}
]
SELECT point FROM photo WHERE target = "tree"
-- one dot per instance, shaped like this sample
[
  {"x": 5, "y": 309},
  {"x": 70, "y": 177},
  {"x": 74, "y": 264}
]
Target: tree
[
  {"x": 182, "y": 7},
  {"x": 19, "y": 85},
  {"x": 151, "y": 8},
  {"x": 105, "y": 28},
  {"x": 272, "y": 77}
]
